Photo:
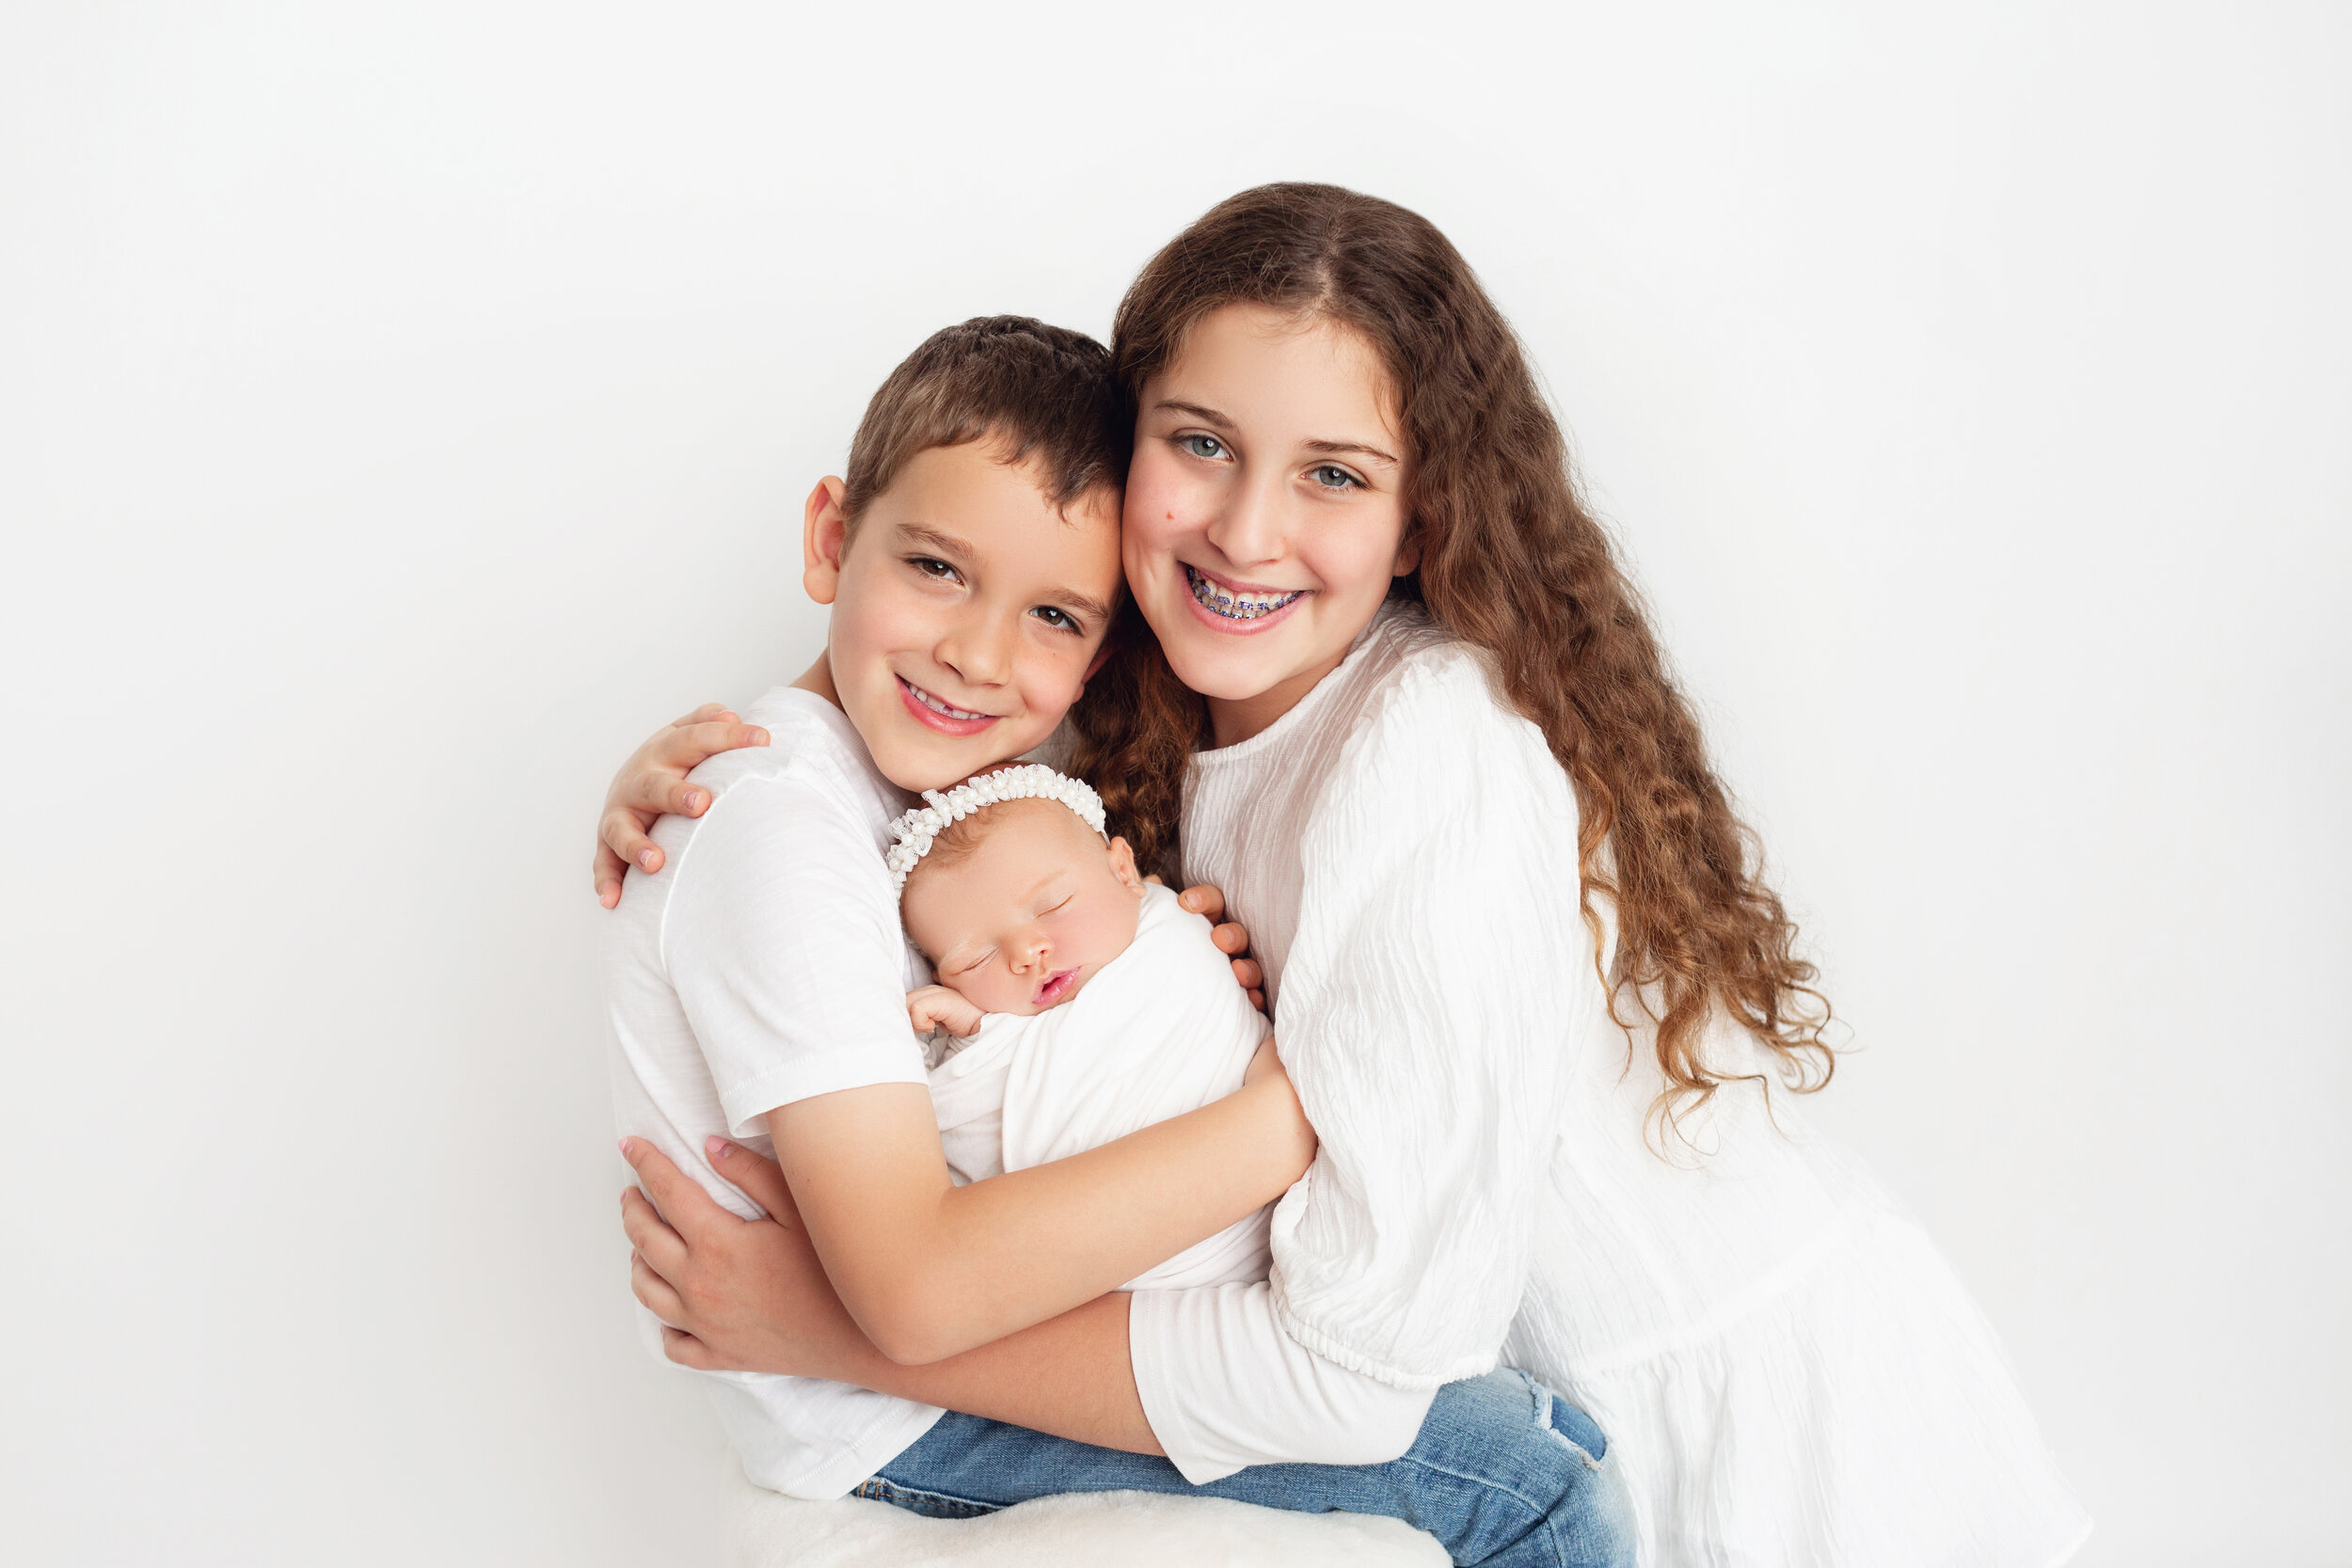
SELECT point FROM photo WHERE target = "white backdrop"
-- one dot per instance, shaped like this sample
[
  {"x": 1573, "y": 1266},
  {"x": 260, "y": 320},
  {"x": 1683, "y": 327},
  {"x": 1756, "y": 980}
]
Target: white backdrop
[{"x": 403, "y": 408}]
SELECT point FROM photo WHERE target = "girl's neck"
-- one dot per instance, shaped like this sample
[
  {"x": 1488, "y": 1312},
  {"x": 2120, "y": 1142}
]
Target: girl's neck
[{"x": 1235, "y": 720}]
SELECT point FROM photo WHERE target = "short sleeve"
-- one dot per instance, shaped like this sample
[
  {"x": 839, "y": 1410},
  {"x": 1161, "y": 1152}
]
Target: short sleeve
[
  {"x": 782, "y": 940},
  {"x": 1425, "y": 1019}
]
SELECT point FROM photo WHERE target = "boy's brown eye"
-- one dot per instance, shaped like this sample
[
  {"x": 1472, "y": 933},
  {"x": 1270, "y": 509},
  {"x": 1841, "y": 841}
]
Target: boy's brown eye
[{"x": 1059, "y": 619}]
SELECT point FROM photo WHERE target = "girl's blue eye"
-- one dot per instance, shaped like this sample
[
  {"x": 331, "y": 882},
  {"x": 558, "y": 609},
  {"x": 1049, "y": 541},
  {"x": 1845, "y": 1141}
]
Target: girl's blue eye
[
  {"x": 1332, "y": 477},
  {"x": 1202, "y": 446}
]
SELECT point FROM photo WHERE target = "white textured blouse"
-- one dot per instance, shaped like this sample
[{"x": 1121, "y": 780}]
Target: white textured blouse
[{"x": 1785, "y": 1366}]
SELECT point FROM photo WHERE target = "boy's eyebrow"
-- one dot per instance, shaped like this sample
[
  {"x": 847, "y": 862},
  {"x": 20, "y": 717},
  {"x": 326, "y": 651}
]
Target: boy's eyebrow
[
  {"x": 1211, "y": 417},
  {"x": 947, "y": 543},
  {"x": 1070, "y": 598}
]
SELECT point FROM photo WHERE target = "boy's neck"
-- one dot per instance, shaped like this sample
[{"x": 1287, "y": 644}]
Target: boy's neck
[{"x": 818, "y": 677}]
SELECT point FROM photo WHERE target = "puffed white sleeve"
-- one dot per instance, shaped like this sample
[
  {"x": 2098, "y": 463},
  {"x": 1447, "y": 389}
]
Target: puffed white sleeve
[{"x": 1425, "y": 1018}]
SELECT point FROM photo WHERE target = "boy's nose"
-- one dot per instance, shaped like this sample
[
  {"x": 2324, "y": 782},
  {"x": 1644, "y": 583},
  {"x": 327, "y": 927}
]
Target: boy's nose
[{"x": 978, "y": 651}]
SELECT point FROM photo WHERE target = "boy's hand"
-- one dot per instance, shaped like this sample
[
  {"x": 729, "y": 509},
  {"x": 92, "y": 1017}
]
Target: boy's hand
[
  {"x": 652, "y": 783},
  {"x": 937, "y": 1007},
  {"x": 1230, "y": 938}
]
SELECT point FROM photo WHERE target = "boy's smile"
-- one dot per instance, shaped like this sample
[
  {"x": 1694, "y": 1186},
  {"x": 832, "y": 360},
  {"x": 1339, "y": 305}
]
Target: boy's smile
[{"x": 967, "y": 610}]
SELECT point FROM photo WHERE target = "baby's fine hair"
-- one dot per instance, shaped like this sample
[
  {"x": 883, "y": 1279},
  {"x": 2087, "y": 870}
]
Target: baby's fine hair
[{"x": 1039, "y": 391}]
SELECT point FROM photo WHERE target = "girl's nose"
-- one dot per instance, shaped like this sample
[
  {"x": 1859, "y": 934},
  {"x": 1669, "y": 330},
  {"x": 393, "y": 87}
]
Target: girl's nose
[{"x": 1247, "y": 529}]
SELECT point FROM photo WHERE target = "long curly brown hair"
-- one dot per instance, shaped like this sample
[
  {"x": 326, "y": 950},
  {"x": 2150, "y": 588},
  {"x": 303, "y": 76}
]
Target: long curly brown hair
[{"x": 1512, "y": 563}]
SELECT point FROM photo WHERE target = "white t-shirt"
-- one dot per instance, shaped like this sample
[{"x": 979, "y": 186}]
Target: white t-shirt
[
  {"x": 1160, "y": 1030},
  {"x": 762, "y": 965}
]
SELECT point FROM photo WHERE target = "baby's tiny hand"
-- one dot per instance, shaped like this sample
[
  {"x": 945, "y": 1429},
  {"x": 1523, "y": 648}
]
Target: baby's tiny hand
[{"x": 937, "y": 1007}]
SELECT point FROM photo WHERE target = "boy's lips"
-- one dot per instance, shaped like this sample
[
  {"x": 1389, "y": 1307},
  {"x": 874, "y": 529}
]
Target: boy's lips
[
  {"x": 939, "y": 714},
  {"x": 1235, "y": 608},
  {"x": 1056, "y": 986}
]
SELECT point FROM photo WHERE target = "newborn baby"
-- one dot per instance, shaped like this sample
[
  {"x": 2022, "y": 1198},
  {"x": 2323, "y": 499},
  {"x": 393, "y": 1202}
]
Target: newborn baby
[{"x": 1086, "y": 1004}]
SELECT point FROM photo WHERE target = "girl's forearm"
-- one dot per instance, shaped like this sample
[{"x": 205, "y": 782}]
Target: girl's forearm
[{"x": 1068, "y": 1376}]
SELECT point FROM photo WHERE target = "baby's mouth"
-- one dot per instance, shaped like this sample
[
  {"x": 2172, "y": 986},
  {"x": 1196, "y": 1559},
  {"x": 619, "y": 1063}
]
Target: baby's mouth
[
  {"x": 1057, "y": 988},
  {"x": 1237, "y": 604}
]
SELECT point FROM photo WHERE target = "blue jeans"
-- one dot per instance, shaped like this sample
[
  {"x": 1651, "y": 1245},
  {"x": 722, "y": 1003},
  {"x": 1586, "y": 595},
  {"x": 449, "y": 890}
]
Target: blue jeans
[{"x": 1506, "y": 1473}]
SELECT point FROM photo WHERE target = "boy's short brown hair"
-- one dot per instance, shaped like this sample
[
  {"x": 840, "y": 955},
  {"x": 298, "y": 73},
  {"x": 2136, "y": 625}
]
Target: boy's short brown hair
[{"x": 1040, "y": 392}]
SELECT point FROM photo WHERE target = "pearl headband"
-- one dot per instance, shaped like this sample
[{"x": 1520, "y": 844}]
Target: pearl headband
[{"x": 914, "y": 833}]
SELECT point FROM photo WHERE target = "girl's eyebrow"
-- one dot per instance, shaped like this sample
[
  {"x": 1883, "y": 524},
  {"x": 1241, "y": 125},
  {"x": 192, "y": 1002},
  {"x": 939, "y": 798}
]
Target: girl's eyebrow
[{"x": 1211, "y": 417}]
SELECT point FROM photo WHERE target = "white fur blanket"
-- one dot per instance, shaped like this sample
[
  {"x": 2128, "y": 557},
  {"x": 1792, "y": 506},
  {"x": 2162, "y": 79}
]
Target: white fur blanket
[{"x": 1135, "y": 1529}]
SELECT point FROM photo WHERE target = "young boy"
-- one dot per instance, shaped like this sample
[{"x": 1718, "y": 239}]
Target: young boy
[{"x": 757, "y": 989}]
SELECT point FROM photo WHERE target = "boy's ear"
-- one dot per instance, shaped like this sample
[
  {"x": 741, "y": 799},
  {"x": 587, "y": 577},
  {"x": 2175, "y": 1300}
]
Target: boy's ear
[
  {"x": 1123, "y": 867},
  {"x": 824, "y": 539},
  {"x": 1094, "y": 665}
]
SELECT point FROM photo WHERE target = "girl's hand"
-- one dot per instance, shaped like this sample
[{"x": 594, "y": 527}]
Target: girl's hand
[
  {"x": 739, "y": 1295},
  {"x": 653, "y": 782},
  {"x": 937, "y": 1007},
  {"x": 1230, "y": 938}
]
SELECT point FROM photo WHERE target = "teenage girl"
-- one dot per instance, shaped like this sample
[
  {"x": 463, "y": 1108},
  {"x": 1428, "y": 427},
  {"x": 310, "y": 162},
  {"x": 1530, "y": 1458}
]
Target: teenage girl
[{"x": 1385, "y": 684}]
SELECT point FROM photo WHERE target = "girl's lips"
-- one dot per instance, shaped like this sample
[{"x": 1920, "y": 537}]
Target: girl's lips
[
  {"x": 933, "y": 718},
  {"x": 1056, "y": 986},
  {"x": 1230, "y": 626}
]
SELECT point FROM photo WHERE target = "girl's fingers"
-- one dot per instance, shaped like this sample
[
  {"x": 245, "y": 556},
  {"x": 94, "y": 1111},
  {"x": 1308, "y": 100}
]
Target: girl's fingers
[
  {"x": 622, "y": 831},
  {"x": 760, "y": 1178},
  {"x": 1257, "y": 1000},
  {"x": 654, "y": 1290},
  {"x": 703, "y": 714},
  {"x": 1248, "y": 975},
  {"x": 1229, "y": 939},
  {"x": 661, "y": 1247},
  {"x": 690, "y": 1211},
  {"x": 609, "y": 870},
  {"x": 688, "y": 747}
]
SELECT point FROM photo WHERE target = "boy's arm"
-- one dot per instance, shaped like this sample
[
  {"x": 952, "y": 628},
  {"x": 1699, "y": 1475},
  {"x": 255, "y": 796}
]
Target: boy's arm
[
  {"x": 751, "y": 1296},
  {"x": 928, "y": 1269}
]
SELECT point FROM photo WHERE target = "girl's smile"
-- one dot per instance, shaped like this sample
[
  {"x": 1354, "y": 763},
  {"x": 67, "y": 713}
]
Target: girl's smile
[{"x": 1241, "y": 607}]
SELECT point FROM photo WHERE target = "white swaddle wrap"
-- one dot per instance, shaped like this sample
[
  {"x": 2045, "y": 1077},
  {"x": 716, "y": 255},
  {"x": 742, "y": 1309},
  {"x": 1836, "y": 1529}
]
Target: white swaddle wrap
[{"x": 1160, "y": 1030}]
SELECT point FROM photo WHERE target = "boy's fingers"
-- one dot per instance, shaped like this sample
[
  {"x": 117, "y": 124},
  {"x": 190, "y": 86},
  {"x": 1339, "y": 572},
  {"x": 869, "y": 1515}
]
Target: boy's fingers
[
  {"x": 1248, "y": 975},
  {"x": 654, "y": 1290},
  {"x": 1203, "y": 900},
  {"x": 1257, "y": 999},
  {"x": 687, "y": 1351},
  {"x": 650, "y": 1234},
  {"x": 1229, "y": 939},
  {"x": 760, "y": 1178},
  {"x": 703, "y": 714}
]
